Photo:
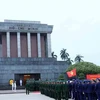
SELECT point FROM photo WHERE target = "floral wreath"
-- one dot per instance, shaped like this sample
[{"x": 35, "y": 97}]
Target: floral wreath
[{"x": 11, "y": 81}]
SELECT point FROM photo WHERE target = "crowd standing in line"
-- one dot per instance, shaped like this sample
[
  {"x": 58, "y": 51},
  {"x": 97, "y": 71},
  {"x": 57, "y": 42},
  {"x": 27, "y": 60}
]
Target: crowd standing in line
[
  {"x": 84, "y": 90},
  {"x": 74, "y": 89},
  {"x": 14, "y": 86}
]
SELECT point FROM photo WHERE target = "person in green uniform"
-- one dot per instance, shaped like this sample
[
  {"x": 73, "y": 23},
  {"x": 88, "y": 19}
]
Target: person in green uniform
[
  {"x": 27, "y": 89},
  {"x": 58, "y": 91},
  {"x": 65, "y": 91}
]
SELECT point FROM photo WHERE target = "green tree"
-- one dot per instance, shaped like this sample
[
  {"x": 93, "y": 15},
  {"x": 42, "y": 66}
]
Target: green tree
[
  {"x": 81, "y": 76},
  {"x": 64, "y": 55},
  {"x": 84, "y": 68},
  {"x": 69, "y": 61},
  {"x": 78, "y": 58},
  {"x": 61, "y": 77},
  {"x": 53, "y": 55}
]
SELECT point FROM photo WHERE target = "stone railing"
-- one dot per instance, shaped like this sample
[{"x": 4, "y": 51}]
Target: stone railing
[
  {"x": 31, "y": 61},
  {"x": 26, "y": 59}
]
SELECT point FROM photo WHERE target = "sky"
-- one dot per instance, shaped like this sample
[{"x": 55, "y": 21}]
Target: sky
[{"x": 76, "y": 23}]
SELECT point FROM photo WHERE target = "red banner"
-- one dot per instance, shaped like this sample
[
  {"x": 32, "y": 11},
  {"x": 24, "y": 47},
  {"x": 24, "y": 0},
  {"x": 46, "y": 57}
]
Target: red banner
[{"x": 92, "y": 76}]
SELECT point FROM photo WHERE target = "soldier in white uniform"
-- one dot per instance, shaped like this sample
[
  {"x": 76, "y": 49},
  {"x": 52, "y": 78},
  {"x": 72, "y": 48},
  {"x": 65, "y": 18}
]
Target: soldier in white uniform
[
  {"x": 20, "y": 82},
  {"x": 15, "y": 85},
  {"x": 12, "y": 86}
]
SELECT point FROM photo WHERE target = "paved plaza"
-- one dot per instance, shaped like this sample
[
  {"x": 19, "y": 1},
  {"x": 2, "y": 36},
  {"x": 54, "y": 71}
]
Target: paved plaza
[{"x": 23, "y": 96}]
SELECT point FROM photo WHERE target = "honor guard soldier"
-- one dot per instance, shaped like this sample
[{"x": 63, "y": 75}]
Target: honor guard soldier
[
  {"x": 65, "y": 91},
  {"x": 27, "y": 89},
  {"x": 58, "y": 91}
]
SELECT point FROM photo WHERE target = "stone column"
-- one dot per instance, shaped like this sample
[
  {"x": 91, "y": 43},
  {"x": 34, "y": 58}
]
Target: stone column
[
  {"x": 39, "y": 44},
  {"x": 8, "y": 43},
  {"x": 18, "y": 44},
  {"x": 29, "y": 44},
  {"x": 48, "y": 45}
]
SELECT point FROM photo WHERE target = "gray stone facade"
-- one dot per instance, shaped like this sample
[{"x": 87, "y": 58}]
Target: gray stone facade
[
  {"x": 29, "y": 29},
  {"x": 25, "y": 26},
  {"x": 19, "y": 68},
  {"x": 48, "y": 68}
]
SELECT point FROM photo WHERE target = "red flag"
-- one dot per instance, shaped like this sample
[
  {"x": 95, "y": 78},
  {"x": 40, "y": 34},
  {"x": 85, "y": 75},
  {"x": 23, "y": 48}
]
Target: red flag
[{"x": 71, "y": 73}]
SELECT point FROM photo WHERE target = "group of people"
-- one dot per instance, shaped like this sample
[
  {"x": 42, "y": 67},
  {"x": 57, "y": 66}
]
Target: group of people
[
  {"x": 84, "y": 90},
  {"x": 55, "y": 89},
  {"x": 74, "y": 89},
  {"x": 14, "y": 84}
]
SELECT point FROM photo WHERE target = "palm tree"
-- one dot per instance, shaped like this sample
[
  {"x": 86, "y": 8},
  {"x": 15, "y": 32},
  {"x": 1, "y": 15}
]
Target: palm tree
[
  {"x": 69, "y": 61},
  {"x": 53, "y": 55},
  {"x": 78, "y": 58},
  {"x": 64, "y": 55}
]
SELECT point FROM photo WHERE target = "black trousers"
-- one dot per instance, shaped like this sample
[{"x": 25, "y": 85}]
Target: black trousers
[{"x": 27, "y": 91}]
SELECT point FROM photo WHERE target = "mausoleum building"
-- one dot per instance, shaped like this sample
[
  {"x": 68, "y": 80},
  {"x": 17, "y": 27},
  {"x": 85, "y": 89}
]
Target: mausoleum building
[{"x": 25, "y": 52}]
